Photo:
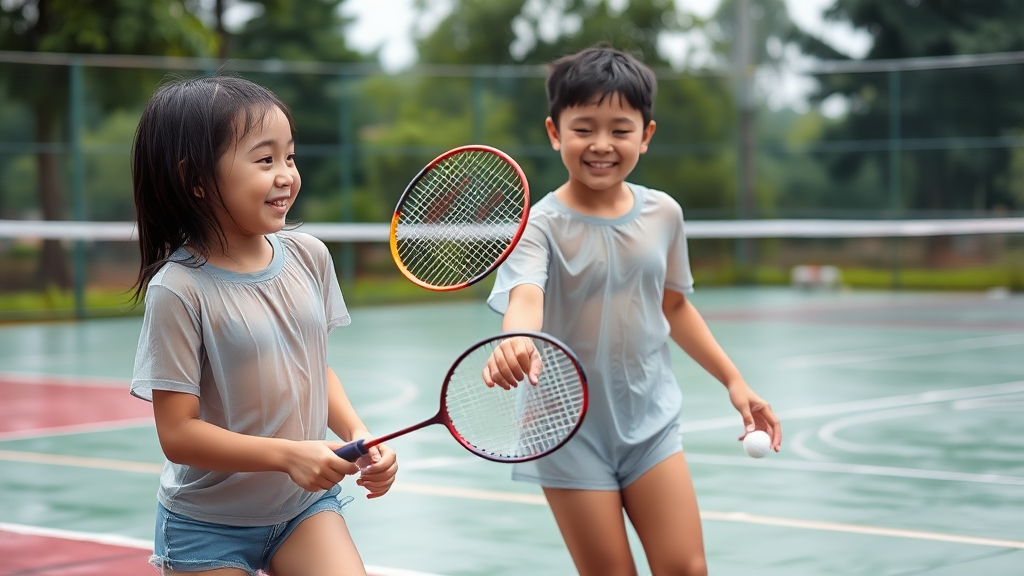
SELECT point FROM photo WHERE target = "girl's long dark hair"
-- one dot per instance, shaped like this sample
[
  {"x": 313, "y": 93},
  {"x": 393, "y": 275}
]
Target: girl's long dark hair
[{"x": 187, "y": 125}]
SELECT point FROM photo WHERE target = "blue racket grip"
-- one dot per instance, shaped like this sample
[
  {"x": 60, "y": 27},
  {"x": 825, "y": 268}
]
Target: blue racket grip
[{"x": 353, "y": 450}]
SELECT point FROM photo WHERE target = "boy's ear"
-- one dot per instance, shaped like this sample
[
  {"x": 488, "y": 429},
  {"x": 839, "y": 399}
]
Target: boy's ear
[
  {"x": 648, "y": 133},
  {"x": 556, "y": 142}
]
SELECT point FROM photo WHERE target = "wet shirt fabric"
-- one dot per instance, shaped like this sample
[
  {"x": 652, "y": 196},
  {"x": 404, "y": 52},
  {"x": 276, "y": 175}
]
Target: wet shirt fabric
[
  {"x": 604, "y": 281},
  {"x": 253, "y": 348}
]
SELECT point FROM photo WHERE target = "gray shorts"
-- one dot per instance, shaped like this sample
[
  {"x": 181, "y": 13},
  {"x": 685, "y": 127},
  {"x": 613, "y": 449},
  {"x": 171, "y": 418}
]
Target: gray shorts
[{"x": 584, "y": 465}]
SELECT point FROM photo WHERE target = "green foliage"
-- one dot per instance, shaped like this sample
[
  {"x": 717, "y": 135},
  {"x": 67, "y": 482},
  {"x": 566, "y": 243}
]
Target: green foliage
[{"x": 932, "y": 103}]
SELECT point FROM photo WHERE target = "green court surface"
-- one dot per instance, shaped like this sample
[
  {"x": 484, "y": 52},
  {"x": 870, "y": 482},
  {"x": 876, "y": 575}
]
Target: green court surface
[{"x": 903, "y": 449}]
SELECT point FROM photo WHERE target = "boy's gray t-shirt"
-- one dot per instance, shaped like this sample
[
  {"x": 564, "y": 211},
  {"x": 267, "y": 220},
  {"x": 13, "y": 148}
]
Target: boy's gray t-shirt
[
  {"x": 253, "y": 348},
  {"x": 603, "y": 282}
]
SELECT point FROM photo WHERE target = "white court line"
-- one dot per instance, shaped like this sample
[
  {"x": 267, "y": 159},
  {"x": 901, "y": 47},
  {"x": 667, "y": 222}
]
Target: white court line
[
  {"x": 861, "y": 469},
  {"x": 911, "y": 350},
  {"x": 90, "y": 428},
  {"x": 138, "y": 543},
  {"x": 859, "y": 529},
  {"x": 929, "y": 397},
  {"x": 63, "y": 380},
  {"x": 539, "y": 500},
  {"x": 696, "y": 458}
]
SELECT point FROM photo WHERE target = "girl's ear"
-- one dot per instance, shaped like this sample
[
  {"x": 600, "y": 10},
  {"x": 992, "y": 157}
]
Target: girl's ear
[
  {"x": 197, "y": 191},
  {"x": 648, "y": 133},
  {"x": 556, "y": 142}
]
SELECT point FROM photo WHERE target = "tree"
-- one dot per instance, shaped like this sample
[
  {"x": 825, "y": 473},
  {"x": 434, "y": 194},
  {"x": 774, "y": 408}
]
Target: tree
[
  {"x": 933, "y": 106},
  {"x": 689, "y": 159},
  {"x": 159, "y": 27}
]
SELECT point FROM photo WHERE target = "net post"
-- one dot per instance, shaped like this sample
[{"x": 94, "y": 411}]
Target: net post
[
  {"x": 77, "y": 181},
  {"x": 895, "y": 182},
  {"x": 346, "y": 166}
]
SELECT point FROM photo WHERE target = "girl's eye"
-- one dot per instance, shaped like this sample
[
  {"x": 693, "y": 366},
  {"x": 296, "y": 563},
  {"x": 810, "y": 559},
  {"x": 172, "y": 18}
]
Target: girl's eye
[
  {"x": 291, "y": 157},
  {"x": 266, "y": 160}
]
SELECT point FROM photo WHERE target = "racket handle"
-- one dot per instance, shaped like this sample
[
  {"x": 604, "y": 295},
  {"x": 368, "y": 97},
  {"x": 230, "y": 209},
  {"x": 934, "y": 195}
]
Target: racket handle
[{"x": 353, "y": 450}]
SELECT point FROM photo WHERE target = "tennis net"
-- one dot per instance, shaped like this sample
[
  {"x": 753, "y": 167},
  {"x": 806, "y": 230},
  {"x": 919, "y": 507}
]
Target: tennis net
[{"x": 86, "y": 260}]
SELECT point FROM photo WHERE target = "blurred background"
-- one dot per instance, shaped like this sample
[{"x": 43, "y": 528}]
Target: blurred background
[{"x": 809, "y": 114}]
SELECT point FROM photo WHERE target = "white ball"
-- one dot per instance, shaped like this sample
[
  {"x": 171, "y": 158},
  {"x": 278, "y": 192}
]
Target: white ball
[{"x": 757, "y": 444}]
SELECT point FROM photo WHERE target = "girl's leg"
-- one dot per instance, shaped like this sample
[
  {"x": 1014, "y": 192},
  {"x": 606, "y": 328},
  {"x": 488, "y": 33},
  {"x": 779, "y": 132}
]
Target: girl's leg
[
  {"x": 320, "y": 544},
  {"x": 662, "y": 506},
  {"x": 594, "y": 530}
]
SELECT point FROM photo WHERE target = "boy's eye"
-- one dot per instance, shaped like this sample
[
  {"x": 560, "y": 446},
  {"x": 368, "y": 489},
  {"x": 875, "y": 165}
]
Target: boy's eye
[{"x": 581, "y": 130}]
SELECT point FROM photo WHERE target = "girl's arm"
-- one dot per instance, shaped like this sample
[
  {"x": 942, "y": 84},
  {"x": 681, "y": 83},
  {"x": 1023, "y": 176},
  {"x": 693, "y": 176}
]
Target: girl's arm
[
  {"x": 516, "y": 357},
  {"x": 343, "y": 420},
  {"x": 185, "y": 439},
  {"x": 688, "y": 329}
]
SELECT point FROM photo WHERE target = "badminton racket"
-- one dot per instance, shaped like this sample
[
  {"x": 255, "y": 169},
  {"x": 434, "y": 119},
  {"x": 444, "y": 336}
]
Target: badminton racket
[
  {"x": 523, "y": 423},
  {"x": 459, "y": 218}
]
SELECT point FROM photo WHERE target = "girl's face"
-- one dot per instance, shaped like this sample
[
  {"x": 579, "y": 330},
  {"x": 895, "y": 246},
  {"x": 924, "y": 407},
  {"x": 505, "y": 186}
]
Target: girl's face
[
  {"x": 600, "y": 143},
  {"x": 258, "y": 180}
]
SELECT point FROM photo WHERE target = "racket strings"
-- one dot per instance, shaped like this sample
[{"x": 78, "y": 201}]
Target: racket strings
[
  {"x": 523, "y": 422},
  {"x": 460, "y": 217}
]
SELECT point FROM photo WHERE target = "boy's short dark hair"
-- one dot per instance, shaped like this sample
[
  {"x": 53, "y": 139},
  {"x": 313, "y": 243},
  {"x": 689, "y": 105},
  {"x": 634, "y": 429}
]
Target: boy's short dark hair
[{"x": 600, "y": 72}]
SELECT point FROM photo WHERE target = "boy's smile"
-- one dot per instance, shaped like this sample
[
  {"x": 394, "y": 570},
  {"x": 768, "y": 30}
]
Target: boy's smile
[{"x": 600, "y": 144}]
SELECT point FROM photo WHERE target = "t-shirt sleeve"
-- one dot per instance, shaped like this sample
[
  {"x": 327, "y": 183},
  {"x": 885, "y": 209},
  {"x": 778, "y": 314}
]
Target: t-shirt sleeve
[
  {"x": 169, "y": 356},
  {"x": 678, "y": 276},
  {"x": 527, "y": 264}
]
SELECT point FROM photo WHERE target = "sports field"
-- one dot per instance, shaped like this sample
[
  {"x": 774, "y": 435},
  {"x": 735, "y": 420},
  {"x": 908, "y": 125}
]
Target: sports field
[{"x": 903, "y": 416}]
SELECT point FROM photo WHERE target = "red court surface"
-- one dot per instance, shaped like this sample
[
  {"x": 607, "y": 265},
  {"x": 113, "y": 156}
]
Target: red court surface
[
  {"x": 34, "y": 555},
  {"x": 29, "y": 405}
]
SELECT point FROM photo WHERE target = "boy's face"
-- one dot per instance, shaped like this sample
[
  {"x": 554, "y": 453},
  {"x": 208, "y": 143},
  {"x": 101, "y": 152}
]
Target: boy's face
[{"x": 600, "y": 143}]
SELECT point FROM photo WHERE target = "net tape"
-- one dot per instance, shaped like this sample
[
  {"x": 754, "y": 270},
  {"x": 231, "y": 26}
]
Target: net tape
[{"x": 372, "y": 232}]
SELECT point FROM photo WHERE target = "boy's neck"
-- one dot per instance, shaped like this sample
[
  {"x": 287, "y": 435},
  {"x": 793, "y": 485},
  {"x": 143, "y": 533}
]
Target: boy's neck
[{"x": 613, "y": 202}]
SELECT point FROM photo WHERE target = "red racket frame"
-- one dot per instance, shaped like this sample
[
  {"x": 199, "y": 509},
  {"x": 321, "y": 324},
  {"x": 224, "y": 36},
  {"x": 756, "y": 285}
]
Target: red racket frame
[{"x": 412, "y": 184}]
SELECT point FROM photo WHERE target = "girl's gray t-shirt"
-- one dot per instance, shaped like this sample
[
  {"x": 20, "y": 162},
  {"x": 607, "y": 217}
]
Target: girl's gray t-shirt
[
  {"x": 253, "y": 348},
  {"x": 604, "y": 281}
]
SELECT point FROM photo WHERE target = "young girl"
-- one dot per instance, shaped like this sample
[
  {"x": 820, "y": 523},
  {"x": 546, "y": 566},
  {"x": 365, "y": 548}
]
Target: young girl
[
  {"x": 603, "y": 266},
  {"x": 234, "y": 340}
]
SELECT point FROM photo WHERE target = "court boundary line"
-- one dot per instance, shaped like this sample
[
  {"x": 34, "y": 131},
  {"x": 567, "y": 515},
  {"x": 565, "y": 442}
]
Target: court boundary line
[
  {"x": 905, "y": 351},
  {"x": 140, "y": 544},
  {"x": 866, "y": 405},
  {"x": 537, "y": 499}
]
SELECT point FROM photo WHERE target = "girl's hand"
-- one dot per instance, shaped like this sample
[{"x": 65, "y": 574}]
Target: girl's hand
[
  {"x": 378, "y": 468},
  {"x": 757, "y": 414},
  {"x": 314, "y": 466},
  {"x": 513, "y": 359}
]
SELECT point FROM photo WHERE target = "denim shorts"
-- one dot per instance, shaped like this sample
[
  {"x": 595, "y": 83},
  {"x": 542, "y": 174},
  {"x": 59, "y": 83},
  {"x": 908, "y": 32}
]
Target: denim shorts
[{"x": 186, "y": 545}]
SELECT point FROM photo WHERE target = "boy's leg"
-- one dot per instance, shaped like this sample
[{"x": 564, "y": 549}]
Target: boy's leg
[
  {"x": 662, "y": 507},
  {"x": 320, "y": 544},
  {"x": 594, "y": 530}
]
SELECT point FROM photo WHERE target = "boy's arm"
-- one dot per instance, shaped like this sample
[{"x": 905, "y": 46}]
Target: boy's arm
[
  {"x": 688, "y": 329},
  {"x": 185, "y": 439},
  {"x": 516, "y": 357},
  {"x": 343, "y": 420}
]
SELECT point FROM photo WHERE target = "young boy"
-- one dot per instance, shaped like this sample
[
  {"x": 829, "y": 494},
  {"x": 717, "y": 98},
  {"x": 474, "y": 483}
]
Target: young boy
[{"x": 603, "y": 266}]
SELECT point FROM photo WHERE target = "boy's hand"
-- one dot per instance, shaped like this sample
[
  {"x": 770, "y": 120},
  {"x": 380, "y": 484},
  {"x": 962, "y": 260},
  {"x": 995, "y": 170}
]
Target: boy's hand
[
  {"x": 377, "y": 470},
  {"x": 757, "y": 414},
  {"x": 513, "y": 359},
  {"x": 314, "y": 466}
]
